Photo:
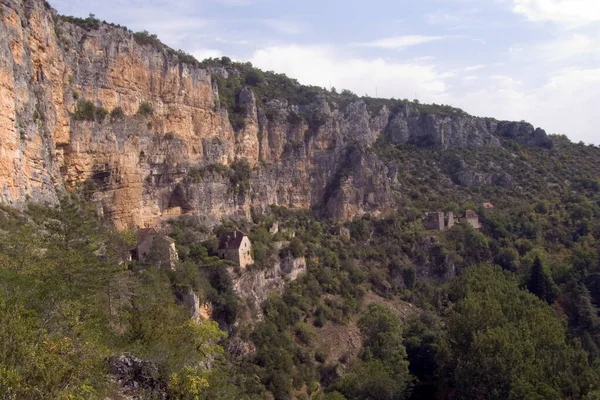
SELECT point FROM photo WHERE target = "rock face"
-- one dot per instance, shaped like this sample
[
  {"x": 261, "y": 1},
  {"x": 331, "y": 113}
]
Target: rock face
[
  {"x": 138, "y": 378},
  {"x": 141, "y": 169},
  {"x": 256, "y": 285}
]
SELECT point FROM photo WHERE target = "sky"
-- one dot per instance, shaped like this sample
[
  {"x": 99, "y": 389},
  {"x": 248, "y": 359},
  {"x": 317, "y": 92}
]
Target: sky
[{"x": 532, "y": 60}]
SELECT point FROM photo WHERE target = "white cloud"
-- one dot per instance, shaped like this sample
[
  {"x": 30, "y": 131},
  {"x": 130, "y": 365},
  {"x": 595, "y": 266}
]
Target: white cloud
[
  {"x": 472, "y": 68},
  {"x": 400, "y": 42},
  {"x": 565, "y": 104},
  {"x": 321, "y": 65},
  {"x": 454, "y": 19},
  {"x": 203, "y": 54},
  {"x": 569, "y": 48},
  {"x": 237, "y": 2},
  {"x": 570, "y": 13},
  {"x": 284, "y": 26}
]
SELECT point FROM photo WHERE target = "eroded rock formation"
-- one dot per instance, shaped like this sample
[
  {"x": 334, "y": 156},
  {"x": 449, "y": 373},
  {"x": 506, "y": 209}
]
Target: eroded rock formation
[{"x": 143, "y": 168}]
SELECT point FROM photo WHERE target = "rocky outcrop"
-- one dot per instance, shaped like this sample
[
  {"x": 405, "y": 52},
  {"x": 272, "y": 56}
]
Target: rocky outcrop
[
  {"x": 137, "y": 378},
  {"x": 256, "y": 284},
  {"x": 426, "y": 129},
  {"x": 141, "y": 169}
]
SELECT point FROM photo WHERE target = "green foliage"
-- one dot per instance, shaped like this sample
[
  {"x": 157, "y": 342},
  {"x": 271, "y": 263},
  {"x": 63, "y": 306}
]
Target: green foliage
[
  {"x": 67, "y": 302},
  {"x": 240, "y": 177},
  {"x": 540, "y": 283},
  {"x": 383, "y": 371},
  {"x": 297, "y": 248},
  {"x": 90, "y": 23},
  {"x": 146, "y": 38},
  {"x": 85, "y": 111},
  {"x": 372, "y": 380},
  {"x": 145, "y": 109},
  {"x": 117, "y": 114},
  {"x": 254, "y": 77},
  {"x": 101, "y": 114},
  {"x": 504, "y": 343}
]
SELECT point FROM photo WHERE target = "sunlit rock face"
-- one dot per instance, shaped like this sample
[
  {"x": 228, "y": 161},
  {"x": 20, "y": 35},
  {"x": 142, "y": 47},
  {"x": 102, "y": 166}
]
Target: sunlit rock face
[{"x": 141, "y": 169}]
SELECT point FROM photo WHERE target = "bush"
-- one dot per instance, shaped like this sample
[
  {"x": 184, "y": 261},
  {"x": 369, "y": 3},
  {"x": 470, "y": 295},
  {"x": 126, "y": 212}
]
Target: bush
[
  {"x": 297, "y": 248},
  {"x": 117, "y": 114},
  {"x": 85, "y": 111},
  {"x": 254, "y": 77},
  {"x": 145, "y": 37},
  {"x": 89, "y": 23},
  {"x": 101, "y": 114},
  {"x": 145, "y": 109}
]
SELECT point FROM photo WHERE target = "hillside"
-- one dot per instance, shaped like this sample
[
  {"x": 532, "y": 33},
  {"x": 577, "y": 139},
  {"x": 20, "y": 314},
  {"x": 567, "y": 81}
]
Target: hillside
[{"x": 104, "y": 131}]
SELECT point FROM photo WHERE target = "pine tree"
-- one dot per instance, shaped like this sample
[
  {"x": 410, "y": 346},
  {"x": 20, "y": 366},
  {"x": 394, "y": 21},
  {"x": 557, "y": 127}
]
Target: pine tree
[{"x": 540, "y": 283}]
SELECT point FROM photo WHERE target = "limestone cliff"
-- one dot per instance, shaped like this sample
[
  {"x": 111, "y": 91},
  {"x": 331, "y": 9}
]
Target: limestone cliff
[
  {"x": 256, "y": 285},
  {"x": 142, "y": 167}
]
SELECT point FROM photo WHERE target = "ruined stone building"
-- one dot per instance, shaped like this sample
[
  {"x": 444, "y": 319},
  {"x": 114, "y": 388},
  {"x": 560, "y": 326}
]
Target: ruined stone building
[
  {"x": 439, "y": 221},
  {"x": 236, "y": 246},
  {"x": 472, "y": 219},
  {"x": 155, "y": 248},
  {"x": 341, "y": 231}
]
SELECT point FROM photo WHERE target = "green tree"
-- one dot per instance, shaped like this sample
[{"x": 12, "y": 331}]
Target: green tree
[
  {"x": 383, "y": 371},
  {"x": 504, "y": 343},
  {"x": 540, "y": 284}
]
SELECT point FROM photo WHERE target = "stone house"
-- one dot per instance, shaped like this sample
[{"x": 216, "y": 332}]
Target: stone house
[
  {"x": 439, "y": 221},
  {"x": 236, "y": 246},
  {"x": 342, "y": 232},
  {"x": 472, "y": 219},
  {"x": 274, "y": 228},
  {"x": 154, "y": 247}
]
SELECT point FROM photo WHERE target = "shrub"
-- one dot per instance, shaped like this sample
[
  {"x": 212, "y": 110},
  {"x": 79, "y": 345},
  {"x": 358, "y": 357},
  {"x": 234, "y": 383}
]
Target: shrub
[
  {"x": 254, "y": 77},
  {"x": 85, "y": 111},
  {"x": 297, "y": 248},
  {"x": 145, "y": 37},
  {"x": 89, "y": 23},
  {"x": 145, "y": 109},
  {"x": 117, "y": 114},
  {"x": 240, "y": 179},
  {"x": 101, "y": 114}
]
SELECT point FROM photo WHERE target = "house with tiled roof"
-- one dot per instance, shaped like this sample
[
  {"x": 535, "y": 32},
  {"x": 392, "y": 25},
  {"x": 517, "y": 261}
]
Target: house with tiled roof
[{"x": 236, "y": 246}]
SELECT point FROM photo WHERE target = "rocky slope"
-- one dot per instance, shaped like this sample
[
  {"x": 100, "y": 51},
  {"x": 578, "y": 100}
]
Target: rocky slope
[{"x": 140, "y": 169}]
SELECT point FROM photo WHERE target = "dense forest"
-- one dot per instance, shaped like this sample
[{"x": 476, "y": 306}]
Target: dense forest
[{"x": 507, "y": 312}]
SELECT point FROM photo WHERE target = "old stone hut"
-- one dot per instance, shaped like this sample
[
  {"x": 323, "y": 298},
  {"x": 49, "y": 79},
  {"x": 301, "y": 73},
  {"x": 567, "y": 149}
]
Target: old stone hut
[
  {"x": 154, "y": 247},
  {"x": 236, "y": 246},
  {"x": 439, "y": 221}
]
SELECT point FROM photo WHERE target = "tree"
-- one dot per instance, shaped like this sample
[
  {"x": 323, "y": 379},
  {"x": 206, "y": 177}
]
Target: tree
[
  {"x": 297, "y": 248},
  {"x": 540, "y": 284},
  {"x": 383, "y": 371},
  {"x": 254, "y": 77},
  {"x": 582, "y": 316},
  {"x": 507, "y": 258},
  {"x": 503, "y": 343}
]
